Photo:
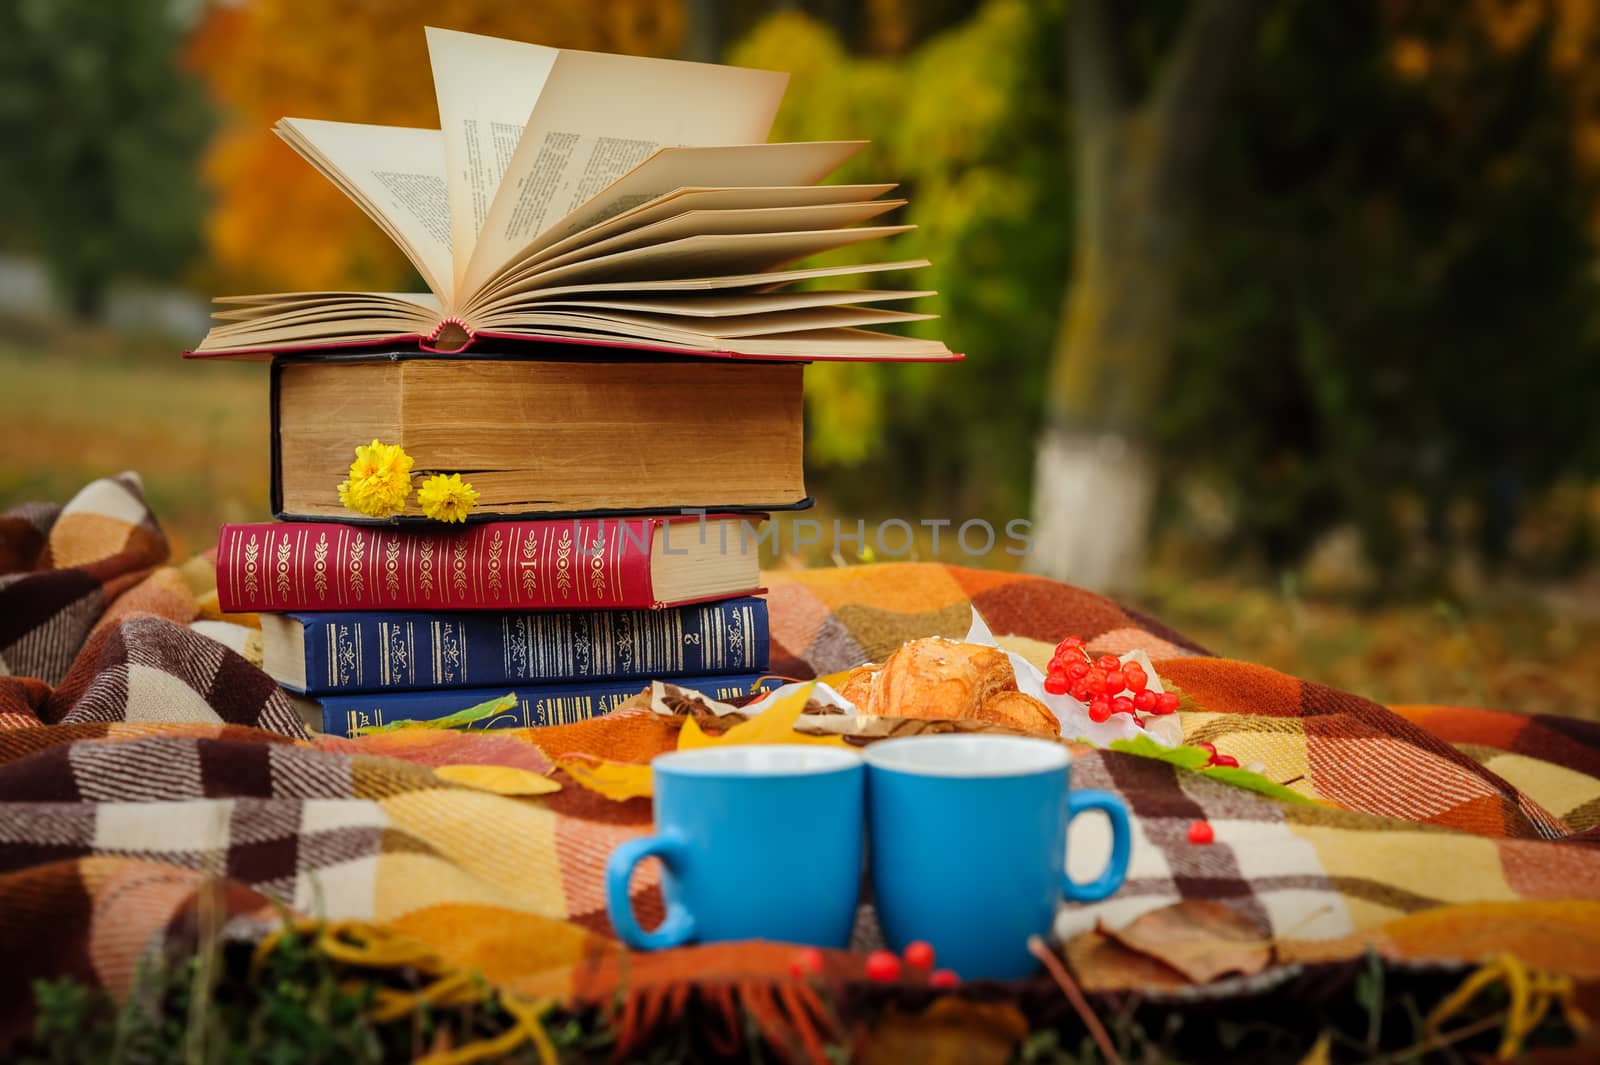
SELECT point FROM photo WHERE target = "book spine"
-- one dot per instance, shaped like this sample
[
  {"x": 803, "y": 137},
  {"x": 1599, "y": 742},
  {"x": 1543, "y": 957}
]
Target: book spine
[
  {"x": 537, "y": 707},
  {"x": 580, "y": 564},
  {"x": 396, "y": 652}
]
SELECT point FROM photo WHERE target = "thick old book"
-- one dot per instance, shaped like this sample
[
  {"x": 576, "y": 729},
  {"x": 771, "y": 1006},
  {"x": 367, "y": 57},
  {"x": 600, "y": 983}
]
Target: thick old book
[
  {"x": 582, "y": 564},
  {"x": 545, "y": 436},
  {"x": 593, "y": 199},
  {"x": 537, "y": 707},
  {"x": 330, "y": 654}
]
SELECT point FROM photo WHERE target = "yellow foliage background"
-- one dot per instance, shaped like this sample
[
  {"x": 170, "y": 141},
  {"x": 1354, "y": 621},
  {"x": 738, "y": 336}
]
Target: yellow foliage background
[{"x": 277, "y": 224}]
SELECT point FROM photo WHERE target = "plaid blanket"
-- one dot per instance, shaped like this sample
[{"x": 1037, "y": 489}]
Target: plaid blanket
[{"x": 143, "y": 756}]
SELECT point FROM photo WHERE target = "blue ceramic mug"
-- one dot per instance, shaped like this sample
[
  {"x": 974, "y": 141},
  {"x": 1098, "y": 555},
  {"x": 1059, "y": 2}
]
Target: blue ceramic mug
[
  {"x": 969, "y": 842},
  {"x": 756, "y": 842}
]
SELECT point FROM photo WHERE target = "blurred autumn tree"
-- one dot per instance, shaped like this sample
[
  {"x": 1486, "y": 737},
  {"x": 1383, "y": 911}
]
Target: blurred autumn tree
[
  {"x": 1392, "y": 309},
  {"x": 1381, "y": 313},
  {"x": 978, "y": 146},
  {"x": 102, "y": 130},
  {"x": 276, "y": 223}
]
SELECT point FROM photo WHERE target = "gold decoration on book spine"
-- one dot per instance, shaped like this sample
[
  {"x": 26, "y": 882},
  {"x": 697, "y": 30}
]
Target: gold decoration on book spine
[
  {"x": 530, "y": 573},
  {"x": 564, "y": 564},
  {"x": 494, "y": 564},
  {"x": 460, "y": 577},
  {"x": 391, "y": 567},
  {"x": 597, "y": 571},
  {"x": 319, "y": 566},
  {"x": 252, "y": 555},
  {"x": 358, "y": 546},
  {"x": 425, "y": 569},
  {"x": 283, "y": 567}
]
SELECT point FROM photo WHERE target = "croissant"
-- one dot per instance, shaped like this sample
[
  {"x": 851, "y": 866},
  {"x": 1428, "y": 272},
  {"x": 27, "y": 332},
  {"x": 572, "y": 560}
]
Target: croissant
[
  {"x": 1020, "y": 711},
  {"x": 942, "y": 679}
]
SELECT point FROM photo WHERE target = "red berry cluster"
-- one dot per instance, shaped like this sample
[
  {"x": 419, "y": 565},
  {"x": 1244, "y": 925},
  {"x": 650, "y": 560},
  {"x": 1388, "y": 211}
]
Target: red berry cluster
[
  {"x": 1107, "y": 684},
  {"x": 1225, "y": 761},
  {"x": 882, "y": 965}
]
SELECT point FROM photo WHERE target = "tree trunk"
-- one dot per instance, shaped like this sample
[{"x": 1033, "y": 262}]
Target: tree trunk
[
  {"x": 704, "y": 42},
  {"x": 1095, "y": 478},
  {"x": 85, "y": 295},
  {"x": 1137, "y": 169},
  {"x": 1091, "y": 502}
]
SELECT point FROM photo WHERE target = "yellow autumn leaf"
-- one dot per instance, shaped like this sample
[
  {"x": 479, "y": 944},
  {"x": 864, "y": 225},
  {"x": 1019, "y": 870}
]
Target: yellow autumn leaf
[
  {"x": 500, "y": 779},
  {"x": 626, "y": 780},
  {"x": 833, "y": 680},
  {"x": 615, "y": 780},
  {"x": 773, "y": 725}
]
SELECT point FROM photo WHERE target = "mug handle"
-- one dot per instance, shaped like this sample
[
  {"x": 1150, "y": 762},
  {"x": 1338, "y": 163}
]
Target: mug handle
[
  {"x": 678, "y": 926},
  {"x": 1121, "y": 840}
]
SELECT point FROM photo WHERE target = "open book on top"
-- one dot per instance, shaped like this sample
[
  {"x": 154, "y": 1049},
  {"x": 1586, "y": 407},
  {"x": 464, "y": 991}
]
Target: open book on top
[{"x": 592, "y": 198}]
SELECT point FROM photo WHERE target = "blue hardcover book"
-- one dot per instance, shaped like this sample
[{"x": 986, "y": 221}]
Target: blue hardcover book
[
  {"x": 545, "y": 704},
  {"x": 336, "y": 654}
]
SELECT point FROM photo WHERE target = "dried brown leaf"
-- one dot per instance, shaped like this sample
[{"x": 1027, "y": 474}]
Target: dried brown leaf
[
  {"x": 1199, "y": 938},
  {"x": 1100, "y": 963}
]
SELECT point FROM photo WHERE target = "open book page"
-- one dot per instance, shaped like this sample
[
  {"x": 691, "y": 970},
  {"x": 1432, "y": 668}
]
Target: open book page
[
  {"x": 242, "y": 308},
  {"x": 762, "y": 281},
  {"x": 688, "y": 331},
  {"x": 600, "y": 116},
  {"x": 707, "y": 256},
  {"x": 397, "y": 176},
  {"x": 729, "y": 165},
  {"x": 812, "y": 345},
  {"x": 670, "y": 169},
  {"x": 698, "y": 305},
  {"x": 334, "y": 312},
  {"x": 680, "y": 200},
  {"x": 363, "y": 318},
  {"x": 706, "y": 223},
  {"x": 486, "y": 88}
]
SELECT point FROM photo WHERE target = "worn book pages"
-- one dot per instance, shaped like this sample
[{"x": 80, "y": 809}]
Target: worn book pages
[
  {"x": 670, "y": 170},
  {"x": 719, "y": 306},
  {"x": 727, "y": 223},
  {"x": 705, "y": 256},
  {"x": 486, "y": 88},
  {"x": 597, "y": 118},
  {"x": 689, "y": 331},
  {"x": 733, "y": 165},
  {"x": 245, "y": 308},
  {"x": 762, "y": 279},
  {"x": 681, "y": 200},
  {"x": 846, "y": 344},
  {"x": 397, "y": 176}
]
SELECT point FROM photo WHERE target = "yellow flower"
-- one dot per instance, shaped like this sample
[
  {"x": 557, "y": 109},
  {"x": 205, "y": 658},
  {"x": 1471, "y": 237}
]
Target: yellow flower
[
  {"x": 375, "y": 457},
  {"x": 446, "y": 498},
  {"x": 380, "y": 481}
]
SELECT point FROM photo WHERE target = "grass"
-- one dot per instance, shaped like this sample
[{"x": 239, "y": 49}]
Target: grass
[
  {"x": 77, "y": 404},
  {"x": 227, "y": 1005},
  {"x": 1514, "y": 648},
  {"x": 83, "y": 406}
]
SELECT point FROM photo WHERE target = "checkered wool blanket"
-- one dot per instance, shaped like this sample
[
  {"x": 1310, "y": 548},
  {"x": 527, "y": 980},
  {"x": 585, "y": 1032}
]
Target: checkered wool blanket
[{"x": 142, "y": 756}]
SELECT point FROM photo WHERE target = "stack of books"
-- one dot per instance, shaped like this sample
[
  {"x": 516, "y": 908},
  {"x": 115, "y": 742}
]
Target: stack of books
[
  {"x": 371, "y": 626},
  {"x": 611, "y": 354}
]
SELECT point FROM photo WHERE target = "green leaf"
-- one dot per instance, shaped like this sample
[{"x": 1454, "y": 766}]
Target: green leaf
[
  {"x": 1195, "y": 759},
  {"x": 459, "y": 719},
  {"x": 1145, "y": 747}
]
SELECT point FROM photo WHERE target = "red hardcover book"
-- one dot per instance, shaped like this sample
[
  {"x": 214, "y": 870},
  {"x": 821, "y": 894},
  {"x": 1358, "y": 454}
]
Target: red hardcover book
[{"x": 576, "y": 564}]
